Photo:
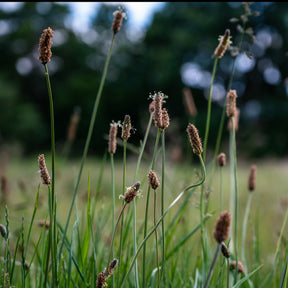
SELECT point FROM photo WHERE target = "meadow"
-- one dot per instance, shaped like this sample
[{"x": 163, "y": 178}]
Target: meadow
[{"x": 135, "y": 222}]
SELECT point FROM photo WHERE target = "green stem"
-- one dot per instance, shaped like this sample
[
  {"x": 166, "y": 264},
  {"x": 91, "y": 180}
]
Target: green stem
[
  {"x": 212, "y": 266},
  {"x": 164, "y": 214},
  {"x": 228, "y": 271},
  {"x": 236, "y": 198},
  {"x": 113, "y": 236},
  {"x": 162, "y": 206},
  {"x": 147, "y": 209},
  {"x": 247, "y": 210},
  {"x": 122, "y": 220},
  {"x": 53, "y": 247},
  {"x": 113, "y": 203},
  {"x": 221, "y": 188},
  {"x": 92, "y": 121},
  {"x": 156, "y": 240},
  {"x": 209, "y": 109}
]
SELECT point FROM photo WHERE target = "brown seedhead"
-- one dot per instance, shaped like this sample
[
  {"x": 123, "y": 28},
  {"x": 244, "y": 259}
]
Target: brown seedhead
[
  {"x": 43, "y": 170},
  {"x": 221, "y": 159},
  {"x": 153, "y": 180},
  {"x": 222, "y": 226},
  {"x": 235, "y": 121},
  {"x": 151, "y": 107},
  {"x": 126, "y": 127},
  {"x": 225, "y": 250},
  {"x": 165, "y": 119},
  {"x": 194, "y": 139},
  {"x": 73, "y": 125},
  {"x": 240, "y": 269},
  {"x": 101, "y": 280},
  {"x": 189, "y": 102},
  {"x": 45, "y": 46},
  {"x": 157, "y": 114},
  {"x": 45, "y": 223},
  {"x": 224, "y": 43},
  {"x": 117, "y": 22},
  {"x": 112, "y": 143},
  {"x": 131, "y": 192},
  {"x": 231, "y": 103},
  {"x": 252, "y": 178},
  {"x": 111, "y": 267}
]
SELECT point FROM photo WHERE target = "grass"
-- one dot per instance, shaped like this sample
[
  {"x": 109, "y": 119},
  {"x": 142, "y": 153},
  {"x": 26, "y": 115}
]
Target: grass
[{"x": 78, "y": 249}]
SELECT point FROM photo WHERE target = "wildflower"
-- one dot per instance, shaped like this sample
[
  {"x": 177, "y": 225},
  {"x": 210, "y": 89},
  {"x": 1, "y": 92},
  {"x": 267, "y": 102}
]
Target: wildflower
[
  {"x": 231, "y": 103},
  {"x": 112, "y": 143},
  {"x": 240, "y": 269},
  {"x": 43, "y": 170},
  {"x": 131, "y": 192},
  {"x": 235, "y": 121},
  {"x": 101, "y": 280},
  {"x": 224, "y": 42},
  {"x": 126, "y": 127},
  {"x": 117, "y": 22},
  {"x": 194, "y": 139},
  {"x": 222, "y": 226},
  {"x": 111, "y": 267},
  {"x": 221, "y": 159},
  {"x": 45, "y": 46},
  {"x": 157, "y": 114},
  {"x": 165, "y": 119},
  {"x": 41, "y": 223},
  {"x": 153, "y": 180}
]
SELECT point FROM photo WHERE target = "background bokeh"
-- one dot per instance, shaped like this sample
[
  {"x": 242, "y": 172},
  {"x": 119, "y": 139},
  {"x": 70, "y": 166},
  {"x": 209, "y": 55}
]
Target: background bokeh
[{"x": 175, "y": 51}]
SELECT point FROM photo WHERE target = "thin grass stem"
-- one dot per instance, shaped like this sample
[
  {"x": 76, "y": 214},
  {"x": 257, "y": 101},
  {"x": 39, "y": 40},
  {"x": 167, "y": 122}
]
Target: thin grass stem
[
  {"x": 89, "y": 135},
  {"x": 147, "y": 209},
  {"x": 156, "y": 240},
  {"x": 113, "y": 203},
  {"x": 245, "y": 220}
]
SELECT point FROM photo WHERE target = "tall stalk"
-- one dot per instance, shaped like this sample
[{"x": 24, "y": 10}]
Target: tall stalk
[
  {"x": 113, "y": 203},
  {"x": 91, "y": 126},
  {"x": 52, "y": 201},
  {"x": 147, "y": 208}
]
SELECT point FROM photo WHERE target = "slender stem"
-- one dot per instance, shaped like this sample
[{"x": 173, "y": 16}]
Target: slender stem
[
  {"x": 164, "y": 214},
  {"x": 212, "y": 266},
  {"x": 162, "y": 206},
  {"x": 228, "y": 271},
  {"x": 53, "y": 239},
  {"x": 247, "y": 210},
  {"x": 236, "y": 198},
  {"x": 113, "y": 235},
  {"x": 202, "y": 229},
  {"x": 122, "y": 220},
  {"x": 156, "y": 240},
  {"x": 147, "y": 209},
  {"x": 221, "y": 188},
  {"x": 113, "y": 203},
  {"x": 209, "y": 109},
  {"x": 89, "y": 135}
]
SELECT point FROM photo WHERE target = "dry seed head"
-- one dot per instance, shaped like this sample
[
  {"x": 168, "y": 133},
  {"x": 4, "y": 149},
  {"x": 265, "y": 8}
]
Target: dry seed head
[
  {"x": 43, "y": 170},
  {"x": 131, "y": 192},
  {"x": 235, "y": 120},
  {"x": 240, "y": 269},
  {"x": 221, "y": 159},
  {"x": 112, "y": 143},
  {"x": 189, "y": 102},
  {"x": 118, "y": 18},
  {"x": 45, "y": 46},
  {"x": 126, "y": 127},
  {"x": 194, "y": 139},
  {"x": 157, "y": 114},
  {"x": 222, "y": 226},
  {"x": 153, "y": 180},
  {"x": 225, "y": 250},
  {"x": 165, "y": 119},
  {"x": 225, "y": 41},
  {"x": 101, "y": 280},
  {"x": 4, "y": 189},
  {"x": 252, "y": 178},
  {"x": 231, "y": 103},
  {"x": 111, "y": 267},
  {"x": 3, "y": 231}
]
